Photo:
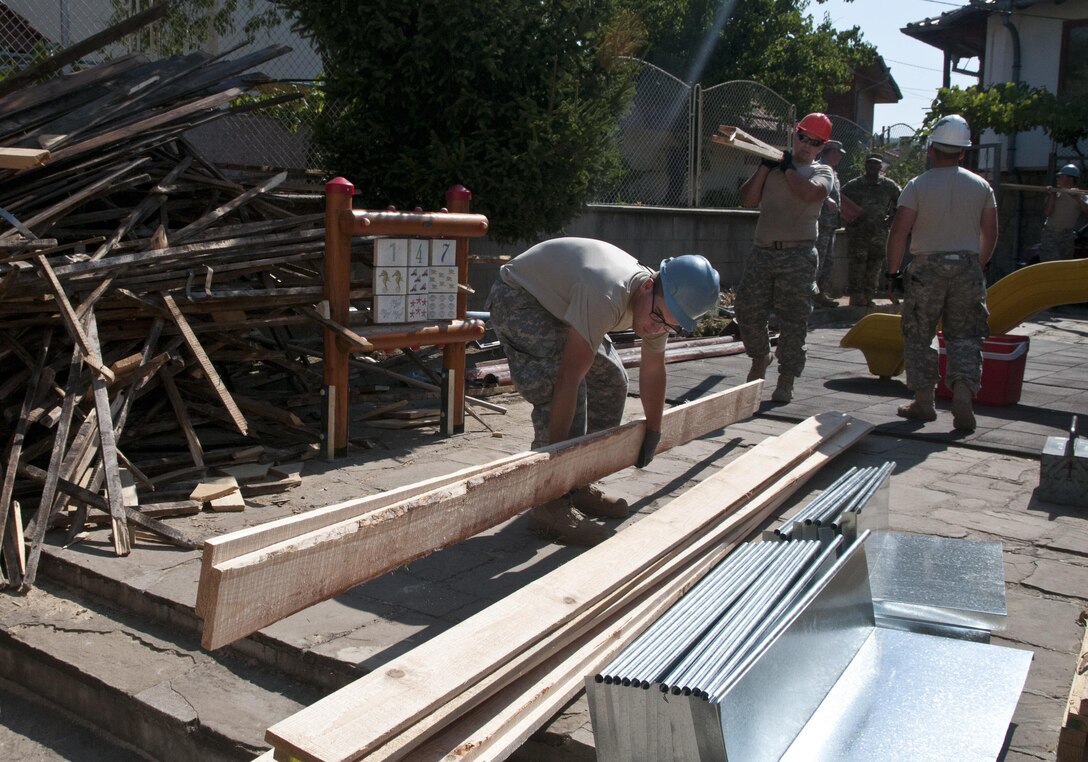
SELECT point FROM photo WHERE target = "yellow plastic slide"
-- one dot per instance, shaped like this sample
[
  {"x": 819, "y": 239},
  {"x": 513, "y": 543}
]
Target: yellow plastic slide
[{"x": 1011, "y": 301}]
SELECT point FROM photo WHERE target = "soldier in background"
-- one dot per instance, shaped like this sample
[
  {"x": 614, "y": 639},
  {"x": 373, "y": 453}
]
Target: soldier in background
[
  {"x": 868, "y": 234},
  {"x": 1063, "y": 209},
  {"x": 828, "y": 223}
]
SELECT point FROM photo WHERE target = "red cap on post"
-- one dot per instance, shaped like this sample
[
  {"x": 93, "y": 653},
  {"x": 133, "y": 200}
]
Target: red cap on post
[
  {"x": 340, "y": 185},
  {"x": 458, "y": 192}
]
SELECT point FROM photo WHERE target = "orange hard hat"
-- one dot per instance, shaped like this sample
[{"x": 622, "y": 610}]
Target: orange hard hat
[{"x": 817, "y": 125}]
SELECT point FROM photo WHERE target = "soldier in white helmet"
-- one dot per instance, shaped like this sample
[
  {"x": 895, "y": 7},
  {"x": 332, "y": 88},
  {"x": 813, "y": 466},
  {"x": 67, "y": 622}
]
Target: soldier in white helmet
[
  {"x": 951, "y": 218},
  {"x": 1063, "y": 208}
]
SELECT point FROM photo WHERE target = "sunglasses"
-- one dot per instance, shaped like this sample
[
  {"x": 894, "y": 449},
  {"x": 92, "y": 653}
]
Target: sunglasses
[
  {"x": 655, "y": 313},
  {"x": 814, "y": 142}
]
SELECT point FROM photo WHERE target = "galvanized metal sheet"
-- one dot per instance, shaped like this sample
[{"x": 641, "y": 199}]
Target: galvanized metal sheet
[
  {"x": 937, "y": 580},
  {"x": 907, "y": 696}
]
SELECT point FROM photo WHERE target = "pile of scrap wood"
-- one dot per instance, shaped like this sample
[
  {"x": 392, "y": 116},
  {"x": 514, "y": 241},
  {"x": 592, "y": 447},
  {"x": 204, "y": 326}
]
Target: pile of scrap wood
[
  {"x": 479, "y": 689},
  {"x": 156, "y": 315}
]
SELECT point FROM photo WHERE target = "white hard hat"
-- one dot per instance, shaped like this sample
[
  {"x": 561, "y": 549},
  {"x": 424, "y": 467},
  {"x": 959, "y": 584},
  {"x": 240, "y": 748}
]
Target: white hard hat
[
  {"x": 951, "y": 131},
  {"x": 1070, "y": 169}
]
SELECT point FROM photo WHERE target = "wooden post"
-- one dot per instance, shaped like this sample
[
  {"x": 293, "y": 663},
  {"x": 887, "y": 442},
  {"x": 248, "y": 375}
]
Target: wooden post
[
  {"x": 453, "y": 355},
  {"x": 338, "y": 193}
]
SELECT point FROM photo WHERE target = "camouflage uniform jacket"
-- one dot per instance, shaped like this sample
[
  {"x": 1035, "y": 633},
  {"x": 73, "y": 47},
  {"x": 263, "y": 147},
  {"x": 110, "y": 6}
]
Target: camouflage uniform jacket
[{"x": 877, "y": 199}]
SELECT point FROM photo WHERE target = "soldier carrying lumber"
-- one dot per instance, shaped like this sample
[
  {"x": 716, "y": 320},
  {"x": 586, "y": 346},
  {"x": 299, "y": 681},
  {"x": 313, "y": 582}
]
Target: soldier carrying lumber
[
  {"x": 780, "y": 272},
  {"x": 551, "y": 308},
  {"x": 1062, "y": 211}
]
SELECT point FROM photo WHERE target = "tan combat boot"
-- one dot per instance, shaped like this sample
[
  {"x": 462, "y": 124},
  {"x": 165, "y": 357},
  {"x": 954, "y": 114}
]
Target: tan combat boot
[
  {"x": 921, "y": 409},
  {"x": 963, "y": 415},
  {"x": 783, "y": 392},
  {"x": 759, "y": 367},
  {"x": 596, "y": 502},
  {"x": 558, "y": 519}
]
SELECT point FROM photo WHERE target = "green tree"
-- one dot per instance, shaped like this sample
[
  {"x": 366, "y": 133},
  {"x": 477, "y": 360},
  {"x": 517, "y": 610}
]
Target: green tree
[
  {"x": 517, "y": 101},
  {"x": 773, "y": 42},
  {"x": 1008, "y": 108}
]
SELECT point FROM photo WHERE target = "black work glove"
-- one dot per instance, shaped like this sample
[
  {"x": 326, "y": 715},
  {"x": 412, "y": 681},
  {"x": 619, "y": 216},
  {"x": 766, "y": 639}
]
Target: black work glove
[
  {"x": 769, "y": 163},
  {"x": 895, "y": 282},
  {"x": 650, "y": 441},
  {"x": 787, "y": 161}
]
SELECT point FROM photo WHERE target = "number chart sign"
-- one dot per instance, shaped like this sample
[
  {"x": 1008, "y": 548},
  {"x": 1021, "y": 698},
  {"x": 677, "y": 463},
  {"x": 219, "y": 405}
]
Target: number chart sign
[{"x": 415, "y": 279}]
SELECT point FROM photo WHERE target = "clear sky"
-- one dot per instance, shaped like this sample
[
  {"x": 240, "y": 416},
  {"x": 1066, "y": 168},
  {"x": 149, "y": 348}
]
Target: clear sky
[{"x": 916, "y": 67}]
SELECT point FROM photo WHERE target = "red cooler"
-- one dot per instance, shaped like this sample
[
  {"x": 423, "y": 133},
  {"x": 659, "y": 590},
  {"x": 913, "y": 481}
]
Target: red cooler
[{"x": 1003, "y": 360}]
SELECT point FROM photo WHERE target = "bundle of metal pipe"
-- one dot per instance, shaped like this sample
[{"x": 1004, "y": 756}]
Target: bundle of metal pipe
[
  {"x": 696, "y": 647},
  {"x": 850, "y": 493}
]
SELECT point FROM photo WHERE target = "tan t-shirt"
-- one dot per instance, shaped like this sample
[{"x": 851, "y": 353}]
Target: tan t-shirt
[
  {"x": 785, "y": 217},
  {"x": 1067, "y": 209},
  {"x": 587, "y": 284},
  {"x": 949, "y": 202}
]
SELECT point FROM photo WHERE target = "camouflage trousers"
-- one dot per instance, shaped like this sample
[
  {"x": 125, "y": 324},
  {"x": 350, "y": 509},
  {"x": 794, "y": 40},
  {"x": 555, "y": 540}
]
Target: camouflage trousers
[
  {"x": 781, "y": 281},
  {"x": 533, "y": 340},
  {"x": 1056, "y": 244},
  {"x": 948, "y": 287},
  {"x": 825, "y": 254},
  {"x": 867, "y": 250}
]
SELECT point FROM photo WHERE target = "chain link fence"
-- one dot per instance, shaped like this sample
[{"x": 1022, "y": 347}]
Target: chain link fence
[
  {"x": 760, "y": 112},
  {"x": 655, "y": 143}
]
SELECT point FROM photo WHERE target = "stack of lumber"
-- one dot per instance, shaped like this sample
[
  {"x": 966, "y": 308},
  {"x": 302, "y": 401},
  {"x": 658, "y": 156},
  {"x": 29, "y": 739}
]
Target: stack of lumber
[
  {"x": 480, "y": 688},
  {"x": 1073, "y": 736},
  {"x": 154, "y": 312}
]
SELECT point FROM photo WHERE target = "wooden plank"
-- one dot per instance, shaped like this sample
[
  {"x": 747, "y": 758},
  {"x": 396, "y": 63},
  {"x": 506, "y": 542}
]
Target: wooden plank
[
  {"x": 217, "y": 486},
  {"x": 345, "y": 725},
  {"x": 679, "y": 424},
  {"x": 205, "y": 364},
  {"x": 21, "y": 158},
  {"x": 11, "y": 553},
  {"x": 192, "y": 441},
  {"x": 108, "y": 446},
  {"x": 208, "y": 219},
  {"x": 71, "y": 322},
  {"x": 231, "y": 502}
]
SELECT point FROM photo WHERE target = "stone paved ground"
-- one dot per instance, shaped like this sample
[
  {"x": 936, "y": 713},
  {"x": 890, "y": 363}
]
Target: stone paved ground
[{"x": 980, "y": 487}]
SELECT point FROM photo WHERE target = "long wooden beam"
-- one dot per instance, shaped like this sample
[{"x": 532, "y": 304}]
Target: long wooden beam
[
  {"x": 239, "y": 596},
  {"x": 345, "y": 725}
]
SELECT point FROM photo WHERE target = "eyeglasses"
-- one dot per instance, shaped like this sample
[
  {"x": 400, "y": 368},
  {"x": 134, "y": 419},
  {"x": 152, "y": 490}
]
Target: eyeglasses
[
  {"x": 655, "y": 313},
  {"x": 814, "y": 142}
]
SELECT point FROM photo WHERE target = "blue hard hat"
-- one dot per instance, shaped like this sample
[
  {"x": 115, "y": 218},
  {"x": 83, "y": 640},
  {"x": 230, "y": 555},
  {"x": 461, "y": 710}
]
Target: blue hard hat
[
  {"x": 1070, "y": 169},
  {"x": 691, "y": 287}
]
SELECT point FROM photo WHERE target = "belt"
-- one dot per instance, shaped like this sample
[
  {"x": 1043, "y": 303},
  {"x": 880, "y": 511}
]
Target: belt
[
  {"x": 789, "y": 244},
  {"x": 943, "y": 256}
]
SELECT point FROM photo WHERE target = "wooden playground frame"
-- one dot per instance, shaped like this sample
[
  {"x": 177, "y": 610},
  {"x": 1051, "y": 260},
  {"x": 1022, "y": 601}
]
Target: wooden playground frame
[{"x": 342, "y": 223}]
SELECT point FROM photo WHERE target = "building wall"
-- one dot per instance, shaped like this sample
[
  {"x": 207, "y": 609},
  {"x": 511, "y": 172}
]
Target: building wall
[{"x": 1040, "y": 30}]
